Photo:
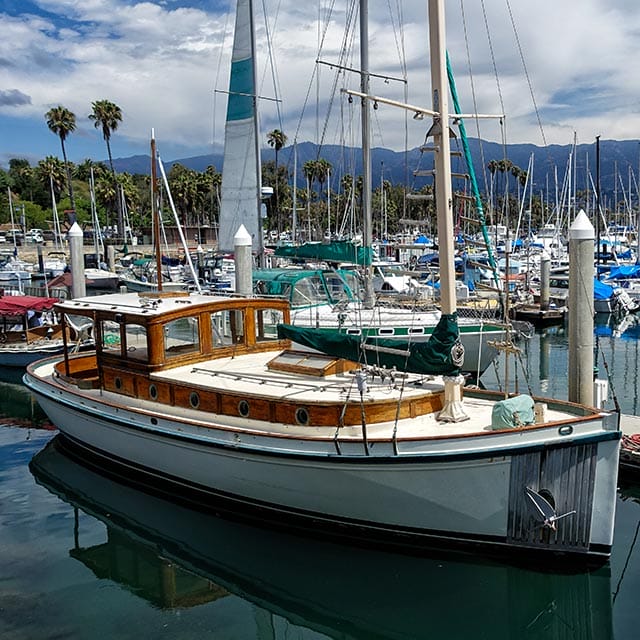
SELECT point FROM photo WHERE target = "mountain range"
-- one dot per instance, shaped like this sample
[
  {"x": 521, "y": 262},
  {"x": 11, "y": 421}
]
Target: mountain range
[{"x": 619, "y": 164}]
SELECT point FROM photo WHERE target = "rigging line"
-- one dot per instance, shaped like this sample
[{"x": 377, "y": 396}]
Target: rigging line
[
  {"x": 626, "y": 564},
  {"x": 223, "y": 47},
  {"x": 312, "y": 79},
  {"x": 271, "y": 57},
  {"x": 474, "y": 96},
  {"x": 526, "y": 72},
  {"x": 348, "y": 30}
]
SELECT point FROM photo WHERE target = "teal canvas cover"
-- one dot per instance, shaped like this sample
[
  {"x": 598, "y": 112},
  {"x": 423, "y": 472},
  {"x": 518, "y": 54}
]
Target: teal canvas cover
[
  {"x": 442, "y": 354},
  {"x": 513, "y": 412},
  {"x": 335, "y": 252}
]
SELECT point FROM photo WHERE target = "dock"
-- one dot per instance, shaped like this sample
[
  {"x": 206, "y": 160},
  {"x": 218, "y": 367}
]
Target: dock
[{"x": 630, "y": 449}]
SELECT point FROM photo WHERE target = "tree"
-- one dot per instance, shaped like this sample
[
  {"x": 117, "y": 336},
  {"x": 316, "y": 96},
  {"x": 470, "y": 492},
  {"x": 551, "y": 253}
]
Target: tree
[
  {"x": 107, "y": 116},
  {"x": 277, "y": 139},
  {"x": 62, "y": 122}
]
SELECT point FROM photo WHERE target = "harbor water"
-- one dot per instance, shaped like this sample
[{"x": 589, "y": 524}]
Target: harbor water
[{"x": 83, "y": 555}]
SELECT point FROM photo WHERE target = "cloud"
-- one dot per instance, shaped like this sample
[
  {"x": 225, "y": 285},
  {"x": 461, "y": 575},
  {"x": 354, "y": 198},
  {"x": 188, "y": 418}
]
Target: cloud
[
  {"x": 165, "y": 63},
  {"x": 13, "y": 98}
]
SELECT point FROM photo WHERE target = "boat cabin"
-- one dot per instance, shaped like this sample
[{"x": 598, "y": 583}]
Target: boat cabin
[{"x": 149, "y": 332}]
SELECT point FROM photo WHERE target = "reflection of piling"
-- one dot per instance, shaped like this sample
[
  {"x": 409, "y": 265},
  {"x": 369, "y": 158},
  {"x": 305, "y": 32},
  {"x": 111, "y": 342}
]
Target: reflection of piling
[
  {"x": 40, "y": 259},
  {"x": 545, "y": 277},
  {"x": 76, "y": 252},
  {"x": 581, "y": 247},
  {"x": 242, "y": 257},
  {"x": 545, "y": 350}
]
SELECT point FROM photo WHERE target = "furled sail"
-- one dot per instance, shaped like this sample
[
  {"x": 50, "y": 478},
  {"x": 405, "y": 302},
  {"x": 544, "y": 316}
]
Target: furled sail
[
  {"x": 442, "y": 354},
  {"x": 240, "y": 201},
  {"x": 336, "y": 251}
]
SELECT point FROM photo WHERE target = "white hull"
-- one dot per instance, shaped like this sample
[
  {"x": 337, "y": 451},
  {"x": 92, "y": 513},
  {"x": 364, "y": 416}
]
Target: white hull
[{"x": 456, "y": 489}]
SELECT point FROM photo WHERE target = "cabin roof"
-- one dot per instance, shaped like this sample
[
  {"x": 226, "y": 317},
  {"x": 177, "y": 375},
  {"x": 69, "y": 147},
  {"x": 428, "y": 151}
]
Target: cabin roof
[{"x": 153, "y": 304}]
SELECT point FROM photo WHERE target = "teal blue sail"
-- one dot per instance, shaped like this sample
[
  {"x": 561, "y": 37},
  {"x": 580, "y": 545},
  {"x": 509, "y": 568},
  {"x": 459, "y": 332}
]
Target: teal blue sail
[
  {"x": 240, "y": 193},
  {"x": 442, "y": 354}
]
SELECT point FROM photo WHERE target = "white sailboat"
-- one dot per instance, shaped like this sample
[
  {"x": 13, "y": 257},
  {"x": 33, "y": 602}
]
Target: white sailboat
[
  {"x": 202, "y": 393},
  {"x": 241, "y": 187}
]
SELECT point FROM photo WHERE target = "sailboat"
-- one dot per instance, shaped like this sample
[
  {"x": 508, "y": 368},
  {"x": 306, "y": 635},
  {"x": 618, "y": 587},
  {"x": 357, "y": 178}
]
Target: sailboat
[
  {"x": 240, "y": 205},
  {"x": 202, "y": 394}
]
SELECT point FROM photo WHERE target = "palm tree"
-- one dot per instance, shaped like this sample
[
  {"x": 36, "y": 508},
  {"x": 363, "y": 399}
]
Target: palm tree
[
  {"x": 107, "y": 116},
  {"x": 62, "y": 122},
  {"x": 277, "y": 139}
]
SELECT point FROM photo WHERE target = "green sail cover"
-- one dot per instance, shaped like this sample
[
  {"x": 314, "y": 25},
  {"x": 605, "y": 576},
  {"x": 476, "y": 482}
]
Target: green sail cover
[
  {"x": 336, "y": 251},
  {"x": 442, "y": 354}
]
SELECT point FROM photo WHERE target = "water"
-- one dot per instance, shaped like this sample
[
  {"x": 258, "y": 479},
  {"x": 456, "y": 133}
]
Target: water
[{"x": 85, "y": 556}]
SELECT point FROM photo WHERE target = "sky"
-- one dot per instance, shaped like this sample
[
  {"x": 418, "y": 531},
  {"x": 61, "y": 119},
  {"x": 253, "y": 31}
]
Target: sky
[{"x": 554, "y": 68}]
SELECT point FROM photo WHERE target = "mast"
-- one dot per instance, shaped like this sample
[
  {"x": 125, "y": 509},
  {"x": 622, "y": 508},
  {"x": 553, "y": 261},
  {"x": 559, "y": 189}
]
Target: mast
[
  {"x": 442, "y": 159},
  {"x": 154, "y": 212},
  {"x": 597, "y": 216},
  {"x": 366, "y": 150},
  {"x": 453, "y": 410}
]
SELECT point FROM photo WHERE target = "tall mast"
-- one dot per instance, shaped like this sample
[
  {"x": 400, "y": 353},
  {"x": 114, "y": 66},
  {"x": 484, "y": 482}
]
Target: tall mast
[
  {"x": 154, "y": 212},
  {"x": 442, "y": 159},
  {"x": 366, "y": 149},
  {"x": 453, "y": 409}
]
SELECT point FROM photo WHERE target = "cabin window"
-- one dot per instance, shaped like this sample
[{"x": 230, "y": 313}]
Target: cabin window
[
  {"x": 110, "y": 336},
  {"x": 267, "y": 321},
  {"x": 227, "y": 328},
  {"x": 352, "y": 287},
  {"x": 181, "y": 336},
  {"x": 309, "y": 291},
  {"x": 338, "y": 288},
  {"x": 136, "y": 342},
  {"x": 81, "y": 326}
]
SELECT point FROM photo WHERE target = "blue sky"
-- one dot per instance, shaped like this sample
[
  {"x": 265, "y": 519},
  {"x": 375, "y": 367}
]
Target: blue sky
[{"x": 162, "y": 61}]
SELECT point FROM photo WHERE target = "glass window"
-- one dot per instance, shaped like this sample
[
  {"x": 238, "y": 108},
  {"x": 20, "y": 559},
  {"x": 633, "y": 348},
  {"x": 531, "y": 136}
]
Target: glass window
[
  {"x": 110, "y": 332},
  {"x": 181, "y": 336},
  {"x": 136, "y": 341},
  {"x": 266, "y": 324},
  {"x": 309, "y": 291},
  {"x": 227, "y": 328}
]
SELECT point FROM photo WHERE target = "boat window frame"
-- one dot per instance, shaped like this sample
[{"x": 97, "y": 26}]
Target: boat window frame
[{"x": 186, "y": 348}]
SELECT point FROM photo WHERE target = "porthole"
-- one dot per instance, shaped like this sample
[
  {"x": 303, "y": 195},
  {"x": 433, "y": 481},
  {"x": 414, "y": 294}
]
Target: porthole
[
  {"x": 194, "y": 400},
  {"x": 154, "y": 420},
  {"x": 153, "y": 392},
  {"x": 302, "y": 416},
  {"x": 118, "y": 383},
  {"x": 243, "y": 408}
]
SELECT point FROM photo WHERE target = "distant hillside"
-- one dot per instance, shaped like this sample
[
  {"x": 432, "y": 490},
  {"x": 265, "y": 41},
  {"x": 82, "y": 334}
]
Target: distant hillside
[{"x": 398, "y": 167}]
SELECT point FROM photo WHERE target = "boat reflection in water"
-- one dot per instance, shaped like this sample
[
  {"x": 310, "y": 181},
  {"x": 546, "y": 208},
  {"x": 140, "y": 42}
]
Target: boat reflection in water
[{"x": 174, "y": 555}]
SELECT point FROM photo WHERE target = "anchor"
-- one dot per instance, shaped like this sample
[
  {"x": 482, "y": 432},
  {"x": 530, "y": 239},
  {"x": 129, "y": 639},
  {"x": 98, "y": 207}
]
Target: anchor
[{"x": 543, "y": 511}]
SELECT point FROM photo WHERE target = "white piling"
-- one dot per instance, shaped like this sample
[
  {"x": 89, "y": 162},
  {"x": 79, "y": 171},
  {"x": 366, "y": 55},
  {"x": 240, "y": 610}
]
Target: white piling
[
  {"x": 545, "y": 277},
  {"x": 581, "y": 309},
  {"x": 78, "y": 285},
  {"x": 242, "y": 258}
]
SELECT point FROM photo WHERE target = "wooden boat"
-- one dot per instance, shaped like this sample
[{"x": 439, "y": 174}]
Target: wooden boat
[{"x": 201, "y": 392}]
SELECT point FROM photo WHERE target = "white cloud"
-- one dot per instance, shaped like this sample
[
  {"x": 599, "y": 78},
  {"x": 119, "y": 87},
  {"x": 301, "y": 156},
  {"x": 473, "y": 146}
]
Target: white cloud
[{"x": 161, "y": 61}]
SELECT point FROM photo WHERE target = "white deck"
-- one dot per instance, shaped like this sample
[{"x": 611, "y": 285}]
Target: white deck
[{"x": 250, "y": 375}]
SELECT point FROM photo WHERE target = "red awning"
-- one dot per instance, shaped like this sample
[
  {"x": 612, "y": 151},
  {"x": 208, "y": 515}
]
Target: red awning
[{"x": 19, "y": 305}]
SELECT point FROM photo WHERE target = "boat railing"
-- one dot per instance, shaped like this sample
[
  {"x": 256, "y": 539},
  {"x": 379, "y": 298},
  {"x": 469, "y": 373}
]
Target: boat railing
[{"x": 80, "y": 370}]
